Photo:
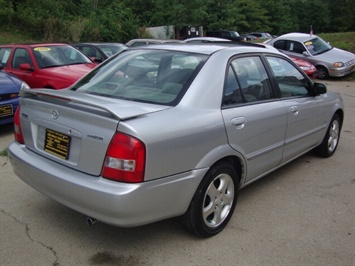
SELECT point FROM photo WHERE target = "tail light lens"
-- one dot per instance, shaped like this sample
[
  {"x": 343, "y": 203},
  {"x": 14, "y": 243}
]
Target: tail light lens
[
  {"x": 125, "y": 159},
  {"x": 17, "y": 127}
]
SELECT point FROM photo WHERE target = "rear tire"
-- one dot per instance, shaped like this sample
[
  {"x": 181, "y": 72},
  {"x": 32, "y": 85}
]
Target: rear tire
[
  {"x": 331, "y": 138},
  {"x": 214, "y": 201}
]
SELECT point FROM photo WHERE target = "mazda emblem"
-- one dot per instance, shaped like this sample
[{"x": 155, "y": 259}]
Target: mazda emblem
[{"x": 55, "y": 114}]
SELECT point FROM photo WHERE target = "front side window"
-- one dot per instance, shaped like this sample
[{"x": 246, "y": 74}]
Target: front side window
[
  {"x": 152, "y": 76},
  {"x": 21, "y": 56},
  {"x": 290, "y": 80},
  {"x": 247, "y": 81},
  {"x": 281, "y": 45}
]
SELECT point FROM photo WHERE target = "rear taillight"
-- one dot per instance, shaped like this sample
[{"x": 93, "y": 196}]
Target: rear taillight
[
  {"x": 125, "y": 159},
  {"x": 17, "y": 127}
]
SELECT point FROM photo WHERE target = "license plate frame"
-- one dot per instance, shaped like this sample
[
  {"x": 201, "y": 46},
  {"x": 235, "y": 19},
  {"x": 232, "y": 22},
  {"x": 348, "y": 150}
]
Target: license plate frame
[
  {"x": 57, "y": 144},
  {"x": 6, "y": 110}
]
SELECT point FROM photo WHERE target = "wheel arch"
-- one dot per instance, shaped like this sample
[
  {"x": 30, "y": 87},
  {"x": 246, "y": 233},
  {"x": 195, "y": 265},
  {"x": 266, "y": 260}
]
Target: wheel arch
[
  {"x": 320, "y": 66},
  {"x": 237, "y": 163}
]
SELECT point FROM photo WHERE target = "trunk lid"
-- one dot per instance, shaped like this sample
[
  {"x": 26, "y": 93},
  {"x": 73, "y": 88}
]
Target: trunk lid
[{"x": 74, "y": 129}]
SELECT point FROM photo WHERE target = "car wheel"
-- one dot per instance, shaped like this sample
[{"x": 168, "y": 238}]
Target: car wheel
[
  {"x": 331, "y": 139},
  {"x": 214, "y": 201},
  {"x": 322, "y": 72}
]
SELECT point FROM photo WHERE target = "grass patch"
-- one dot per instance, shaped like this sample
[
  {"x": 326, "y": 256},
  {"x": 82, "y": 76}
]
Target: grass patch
[
  {"x": 342, "y": 40},
  {"x": 14, "y": 37},
  {"x": 3, "y": 152}
]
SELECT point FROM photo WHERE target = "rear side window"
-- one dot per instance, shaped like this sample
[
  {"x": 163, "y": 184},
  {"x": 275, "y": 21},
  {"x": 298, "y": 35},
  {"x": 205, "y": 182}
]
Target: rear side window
[
  {"x": 291, "y": 82},
  {"x": 280, "y": 45},
  {"x": 152, "y": 76},
  {"x": 4, "y": 55},
  {"x": 247, "y": 81}
]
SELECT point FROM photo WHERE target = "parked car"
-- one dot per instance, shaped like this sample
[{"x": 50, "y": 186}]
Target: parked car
[
  {"x": 10, "y": 87},
  {"x": 161, "y": 131},
  {"x": 48, "y": 65},
  {"x": 139, "y": 42},
  {"x": 306, "y": 66},
  {"x": 225, "y": 34},
  {"x": 261, "y": 35},
  {"x": 329, "y": 61},
  {"x": 248, "y": 37},
  {"x": 99, "y": 51}
]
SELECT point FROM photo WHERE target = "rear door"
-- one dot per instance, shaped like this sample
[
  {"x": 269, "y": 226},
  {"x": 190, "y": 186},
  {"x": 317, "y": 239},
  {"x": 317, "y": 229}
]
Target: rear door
[{"x": 255, "y": 119}]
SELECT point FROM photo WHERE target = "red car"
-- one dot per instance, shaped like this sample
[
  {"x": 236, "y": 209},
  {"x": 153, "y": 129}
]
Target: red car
[
  {"x": 306, "y": 66},
  {"x": 49, "y": 65}
]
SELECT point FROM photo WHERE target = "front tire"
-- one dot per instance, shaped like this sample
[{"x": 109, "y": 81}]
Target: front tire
[
  {"x": 322, "y": 72},
  {"x": 214, "y": 201},
  {"x": 331, "y": 138}
]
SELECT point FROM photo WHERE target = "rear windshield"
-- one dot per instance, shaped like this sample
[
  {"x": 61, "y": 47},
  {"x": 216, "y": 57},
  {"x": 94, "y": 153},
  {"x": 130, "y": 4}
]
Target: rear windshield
[{"x": 152, "y": 76}]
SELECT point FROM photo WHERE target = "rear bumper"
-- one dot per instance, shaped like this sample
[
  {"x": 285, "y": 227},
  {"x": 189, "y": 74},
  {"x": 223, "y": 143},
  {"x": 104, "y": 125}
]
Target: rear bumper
[{"x": 115, "y": 203}]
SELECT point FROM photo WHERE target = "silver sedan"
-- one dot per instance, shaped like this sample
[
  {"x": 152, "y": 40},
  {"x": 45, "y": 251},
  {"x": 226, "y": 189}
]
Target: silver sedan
[
  {"x": 329, "y": 61},
  {"x": 171, "y": 130}
]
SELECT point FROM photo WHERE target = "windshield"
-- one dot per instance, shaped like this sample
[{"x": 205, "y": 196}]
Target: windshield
[
  {"x": 317, "y": 46},
  {"x": 152, "y": 76},
  {"x": 110, "y": 50},
  {"x": 61, "y": 55},
  {"x": 234, "y": 34}
]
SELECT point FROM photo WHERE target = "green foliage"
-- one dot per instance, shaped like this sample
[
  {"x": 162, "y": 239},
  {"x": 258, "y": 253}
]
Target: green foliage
[
  {"x": 119, "y": 21},
  {"x": 342, "y": 40},
  {"x": 3, "y": 152}
]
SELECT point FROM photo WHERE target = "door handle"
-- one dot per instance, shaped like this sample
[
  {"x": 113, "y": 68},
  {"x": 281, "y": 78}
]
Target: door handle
[
  {"x": 238, "y": 122},
  {"x": 294, "y": 109}
]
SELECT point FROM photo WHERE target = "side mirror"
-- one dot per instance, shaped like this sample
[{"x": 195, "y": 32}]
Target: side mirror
[
  {"x": 305, "y": 53},
  {"x": 318, "y": 88},
  {"x": 25, "y": 66}
]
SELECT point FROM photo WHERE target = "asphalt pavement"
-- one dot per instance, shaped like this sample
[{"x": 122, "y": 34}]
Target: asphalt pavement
[{"x": 302, "y": 214}]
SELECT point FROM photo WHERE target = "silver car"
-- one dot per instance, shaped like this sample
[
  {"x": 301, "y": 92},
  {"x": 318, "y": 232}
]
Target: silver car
[
  {"x": 171, "y": 130},
  {"x": 329, "y": 61}
]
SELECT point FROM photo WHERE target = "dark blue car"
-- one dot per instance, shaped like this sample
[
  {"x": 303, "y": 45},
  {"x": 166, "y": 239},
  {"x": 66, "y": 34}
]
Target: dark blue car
[{"x": 10, "y": 87}]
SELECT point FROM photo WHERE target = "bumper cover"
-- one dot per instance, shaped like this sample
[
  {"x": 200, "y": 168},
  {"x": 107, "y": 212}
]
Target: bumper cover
[{"x": 120, "y": 204}]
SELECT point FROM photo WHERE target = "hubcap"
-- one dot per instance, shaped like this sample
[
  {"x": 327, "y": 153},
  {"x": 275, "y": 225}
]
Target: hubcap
[
  {"x": 218, "y": 200},
  {"x": 333, "y": 136}
]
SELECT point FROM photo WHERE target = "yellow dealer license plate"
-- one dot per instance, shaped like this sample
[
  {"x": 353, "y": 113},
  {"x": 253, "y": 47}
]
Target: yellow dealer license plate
[
  {"x": 57, "y": 144},
  {"x": 6, "y": 110}
]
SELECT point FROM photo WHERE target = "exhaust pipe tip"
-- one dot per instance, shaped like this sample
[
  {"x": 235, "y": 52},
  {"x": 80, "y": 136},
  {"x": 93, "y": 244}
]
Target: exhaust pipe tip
[{"x": 90, "y": 221}]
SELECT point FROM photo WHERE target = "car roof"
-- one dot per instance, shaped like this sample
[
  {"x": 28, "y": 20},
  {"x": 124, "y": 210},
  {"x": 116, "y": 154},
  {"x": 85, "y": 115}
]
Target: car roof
[
  {"x": 209, "y": 48},
  {"x": 297, "y": 36},
  {"x": 98, "y": 43},
  {"x": 33, "y": 44},
  {"x": 207, "y": 39}
]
